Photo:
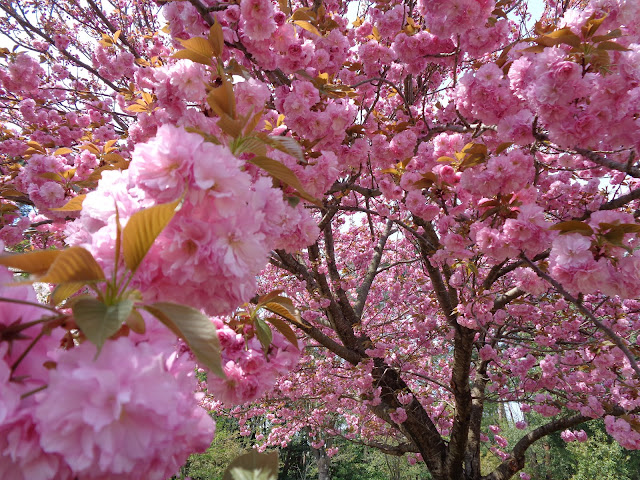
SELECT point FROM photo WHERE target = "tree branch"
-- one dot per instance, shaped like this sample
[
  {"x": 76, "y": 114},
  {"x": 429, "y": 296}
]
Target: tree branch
[
  {"x": 587, "y": 313},
  {"x": 515, "y": 462},
  {"x": 363, "y": 290}
]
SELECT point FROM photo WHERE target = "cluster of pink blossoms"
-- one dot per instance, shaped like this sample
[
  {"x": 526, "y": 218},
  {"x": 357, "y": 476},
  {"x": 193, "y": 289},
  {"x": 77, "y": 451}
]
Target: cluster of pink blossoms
[
  {"x": 624, "y": 433},
  {"x": 93, "y": 420},
  {"x": 250, "y": 371},
  {"x": 219, "y": 239},
  {"x": 455, "y": 17},
  {"x": 574, "y": 436},
  {"x": 589, "y": 263}
]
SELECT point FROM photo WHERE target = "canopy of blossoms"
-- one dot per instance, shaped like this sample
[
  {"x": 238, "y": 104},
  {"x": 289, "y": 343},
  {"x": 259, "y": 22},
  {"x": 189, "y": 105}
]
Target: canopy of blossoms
[{"x": 394, "y": 213}]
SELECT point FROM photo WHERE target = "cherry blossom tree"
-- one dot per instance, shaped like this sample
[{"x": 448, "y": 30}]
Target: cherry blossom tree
[{"x": 431, "y": 205}]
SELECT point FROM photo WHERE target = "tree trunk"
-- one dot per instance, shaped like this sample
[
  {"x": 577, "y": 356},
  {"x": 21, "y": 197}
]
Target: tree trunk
[{"x": 323, "y": 462}]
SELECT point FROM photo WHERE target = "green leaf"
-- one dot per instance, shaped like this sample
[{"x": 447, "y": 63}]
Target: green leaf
[
  {"x": 615, "y": 237},
  {"x": 617, "y": 33},
  {"x": 253, "y": 466},
  {"x": 74, "y": 265},
  {"x": 253, "y": 145},
  {"x": 195, "y": 328},
  {"x": 142, "y": 229},
  {"x": 207, "y": 137},
  {"x": 612, "y": 46},
  {"x": 283, "y": 173},
  {"x": 99, "y": 321},
  {"x": 287, "y": 145},
  {"x": 264, "y": 334}
]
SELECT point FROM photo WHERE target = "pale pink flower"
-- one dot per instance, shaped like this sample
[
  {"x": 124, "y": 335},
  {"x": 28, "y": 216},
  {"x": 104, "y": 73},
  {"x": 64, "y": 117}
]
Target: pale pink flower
[
  {"x": 22, "y": 456},
  {"x": 123, "y": 414},
  {"x": 399, "y": 415},
  {"x": 571, "y": 249},
  {"x": 257, "y": 18},
  {"x": 162, "y": 166}
]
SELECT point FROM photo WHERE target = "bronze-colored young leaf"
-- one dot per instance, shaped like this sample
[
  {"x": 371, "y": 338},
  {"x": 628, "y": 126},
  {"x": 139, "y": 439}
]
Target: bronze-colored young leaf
[
  {"x": 309, "y": 27},
  {"x": 253, "y": 466},
  {"x": 592, "y": 26},
  {"x": 142, "y": 229},
  {"x": 222, "y": 100},
  {"x": 284, "y": 6},
  {"x": 446, "y": 160},
  {"x": 56, "y": 177},
  {"x": 135, "y": 322},
  {"x": 75, "y": 265},
  {"x": 502, "y": 147},
  {"x": 269, "y": 296},
  {"x": 534, "y": 49},
  {"x": 286, "y": 303},
  {"x": 116, "y": 160},
  {"x": 284, "y": 329},
  {"x": 573, "y": 226},
  {"x": 216, "y": 39},
  {"x": 253, "y": 122},
  {"x": 231, "y": 127},
  {"x": 197, "y": 49},
  {"x": 91, "y": 147},
  {"x": 73, "y": 205},
  {"x": 557, "y": 37},
  {"x": 303, "y": 13},
  {"x": 188, "y": 55},
  {"x": 37, "y": 262},
  {"x": 629, "y": 227},
  {"x": 99, "y": 321},
  {"x": 284, "y": 310},
  {"x": 283, "y": 173},
  {"x": 195, "y": 328},
  {"x": 64, "y": 291},
  {"x": 475, "y": 148}
]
